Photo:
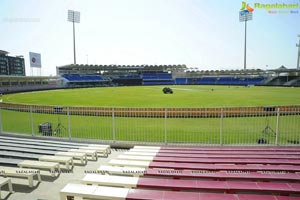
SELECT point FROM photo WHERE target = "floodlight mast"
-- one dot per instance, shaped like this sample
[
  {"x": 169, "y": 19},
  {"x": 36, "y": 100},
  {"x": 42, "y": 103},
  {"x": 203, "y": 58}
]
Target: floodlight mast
[
  {"x": 74, "y": 45},
  {"x": 244, "y": 17},
  {"x": 245, "y": 46},
  {"x": 298, "y": 45},
  {"x": 74, "y": 17}
]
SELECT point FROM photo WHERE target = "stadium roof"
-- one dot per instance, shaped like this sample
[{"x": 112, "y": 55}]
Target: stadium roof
[
  {"x": 113, "y": 66},
  {"x": 120, "y": 68},
  {"x": 3, "y": 52},
  {"x": 4, "y": 78},
  {"x": 228, "y": 72}
]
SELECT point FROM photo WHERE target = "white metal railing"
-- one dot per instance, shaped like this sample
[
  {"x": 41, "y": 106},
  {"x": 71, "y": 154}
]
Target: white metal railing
[{"x": 273, "y": 125}]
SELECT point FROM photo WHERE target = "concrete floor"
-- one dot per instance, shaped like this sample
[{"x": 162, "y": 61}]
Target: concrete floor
[{"x": 50, "y": 187}]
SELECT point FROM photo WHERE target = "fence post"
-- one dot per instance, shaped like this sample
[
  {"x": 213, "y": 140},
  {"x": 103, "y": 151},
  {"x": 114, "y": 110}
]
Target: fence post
[
  {"x": 31, "y": 120},
  {"x": 69, "y": 123},
  {"x": 221, "y": 127},
  {"x": 1, "y": 124},
  {"x": 165, "y": 133},
  {"x": 277, "y": 125},
  {"x": 113, "y": 125}
]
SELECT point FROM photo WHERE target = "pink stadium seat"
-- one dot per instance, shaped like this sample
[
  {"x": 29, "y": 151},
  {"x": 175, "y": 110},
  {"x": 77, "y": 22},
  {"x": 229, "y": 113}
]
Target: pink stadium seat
[
  {"x": 230, "y": 152},
  {"x": 266, "y": 171},
  {"x": 287, "y": 198},
  {"x": 170, "y": 195},
  {"x": 203, "y": 196},
  {"x": 221, "y": 186},
  {"x": 142, "y": 194},
  {"x": 276, "y": 187},
  {"x": 228, "y": 149},
  {"x": 135, "y": 194},
  {"x": 222, "y": 175},
  {"x": 295, "y": 186},
  {"x": 256, "y": 197},
  {"x": 227, "y": 160},
  {"x": 229, "y": 155},
  {"x": 197, "y": 166}
]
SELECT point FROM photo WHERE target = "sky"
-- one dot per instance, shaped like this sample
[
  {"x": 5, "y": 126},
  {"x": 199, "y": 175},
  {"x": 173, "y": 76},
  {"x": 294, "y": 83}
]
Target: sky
[{"x": 198, "y": 33}]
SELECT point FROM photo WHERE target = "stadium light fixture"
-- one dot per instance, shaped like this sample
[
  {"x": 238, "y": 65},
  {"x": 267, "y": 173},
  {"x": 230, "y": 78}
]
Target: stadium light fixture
[
  {"x": 298, "y": 45},
  {"x": 74, "y": 17},
  {"x": 245, "y": 16}
]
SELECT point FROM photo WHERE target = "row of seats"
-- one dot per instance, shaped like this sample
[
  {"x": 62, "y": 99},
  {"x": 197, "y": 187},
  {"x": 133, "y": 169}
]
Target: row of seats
[
  {"x": 157, "y": 76},
  {"x": 166, "y": 79},
  {"x": 163, "y": 173},
  {"x": 167, "y": 82},
  {"x": 27, "y": 158},
  {"x": 77, "y": 77},
  {"x": 157, "y": 79},
  {"x": 129, "y": 76},
  {"x": 220, "y": 81}
]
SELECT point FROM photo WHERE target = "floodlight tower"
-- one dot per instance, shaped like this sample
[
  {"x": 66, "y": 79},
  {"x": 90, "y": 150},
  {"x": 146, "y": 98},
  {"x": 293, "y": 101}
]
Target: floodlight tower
[
  {"x": 298, "y": 45},
  {"x": 74, "y": 16},
  {"x": 245, "y": 16}
]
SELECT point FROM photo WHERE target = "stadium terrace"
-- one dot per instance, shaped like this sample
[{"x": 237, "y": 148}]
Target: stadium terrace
[{"x": 276, "y": 6}]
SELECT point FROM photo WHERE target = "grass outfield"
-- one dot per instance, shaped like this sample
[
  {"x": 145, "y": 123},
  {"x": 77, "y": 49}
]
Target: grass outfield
[
  {"x": 235, "y": 130},
  {"x": 152, "y": 96}
]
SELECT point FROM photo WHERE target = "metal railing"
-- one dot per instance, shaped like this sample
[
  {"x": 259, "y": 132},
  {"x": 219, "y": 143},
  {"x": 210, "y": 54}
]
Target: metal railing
[{"x": 272, "y": 125}]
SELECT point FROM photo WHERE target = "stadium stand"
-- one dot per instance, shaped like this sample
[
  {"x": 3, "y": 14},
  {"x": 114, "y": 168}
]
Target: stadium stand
[
  {"x": 83, "y": 78},
  {"x": 73, "y": 76},
  {"x": 77, "y": 80},
  {"x": 175, "y": 74},
  {"x": 280, "y": 80},
  {"x": 220, "y": 80},
  {"x": 10, "y": 144},
  {"x": 187, "y": 174},
  {"x": 25, "y": 158},
  {"x": 46, "y": 142},
  {"x": 181, "y": 81},
  {"x": 199, "y": 185},
  {"x": 186, "y": 158},
  {"x": 159, "y": 78},
  {"x": 28, "y": 88},
  {"x": 179, "y": 178},
  {"x": 215, "y": 149},
  {"x": 218, "y": 154},
  {"x": 38, "y": 142},
  {"x": 44, "y": 151},
  {"x": 31, "y": 149},
  {"x": 110, "y": 193},
  {"x": 13, "y": 84},
  {"x": 127, "y": 79},
  {"x": 293, "y": 82},
  {"x": 201, "y": 166}
]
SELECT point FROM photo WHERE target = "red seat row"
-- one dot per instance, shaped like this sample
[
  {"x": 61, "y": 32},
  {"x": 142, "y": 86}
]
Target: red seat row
[
  {"x": 219, "y": 186},
  {"x": 222, "y": 175},
  {"x": 140, "y": 194}
]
